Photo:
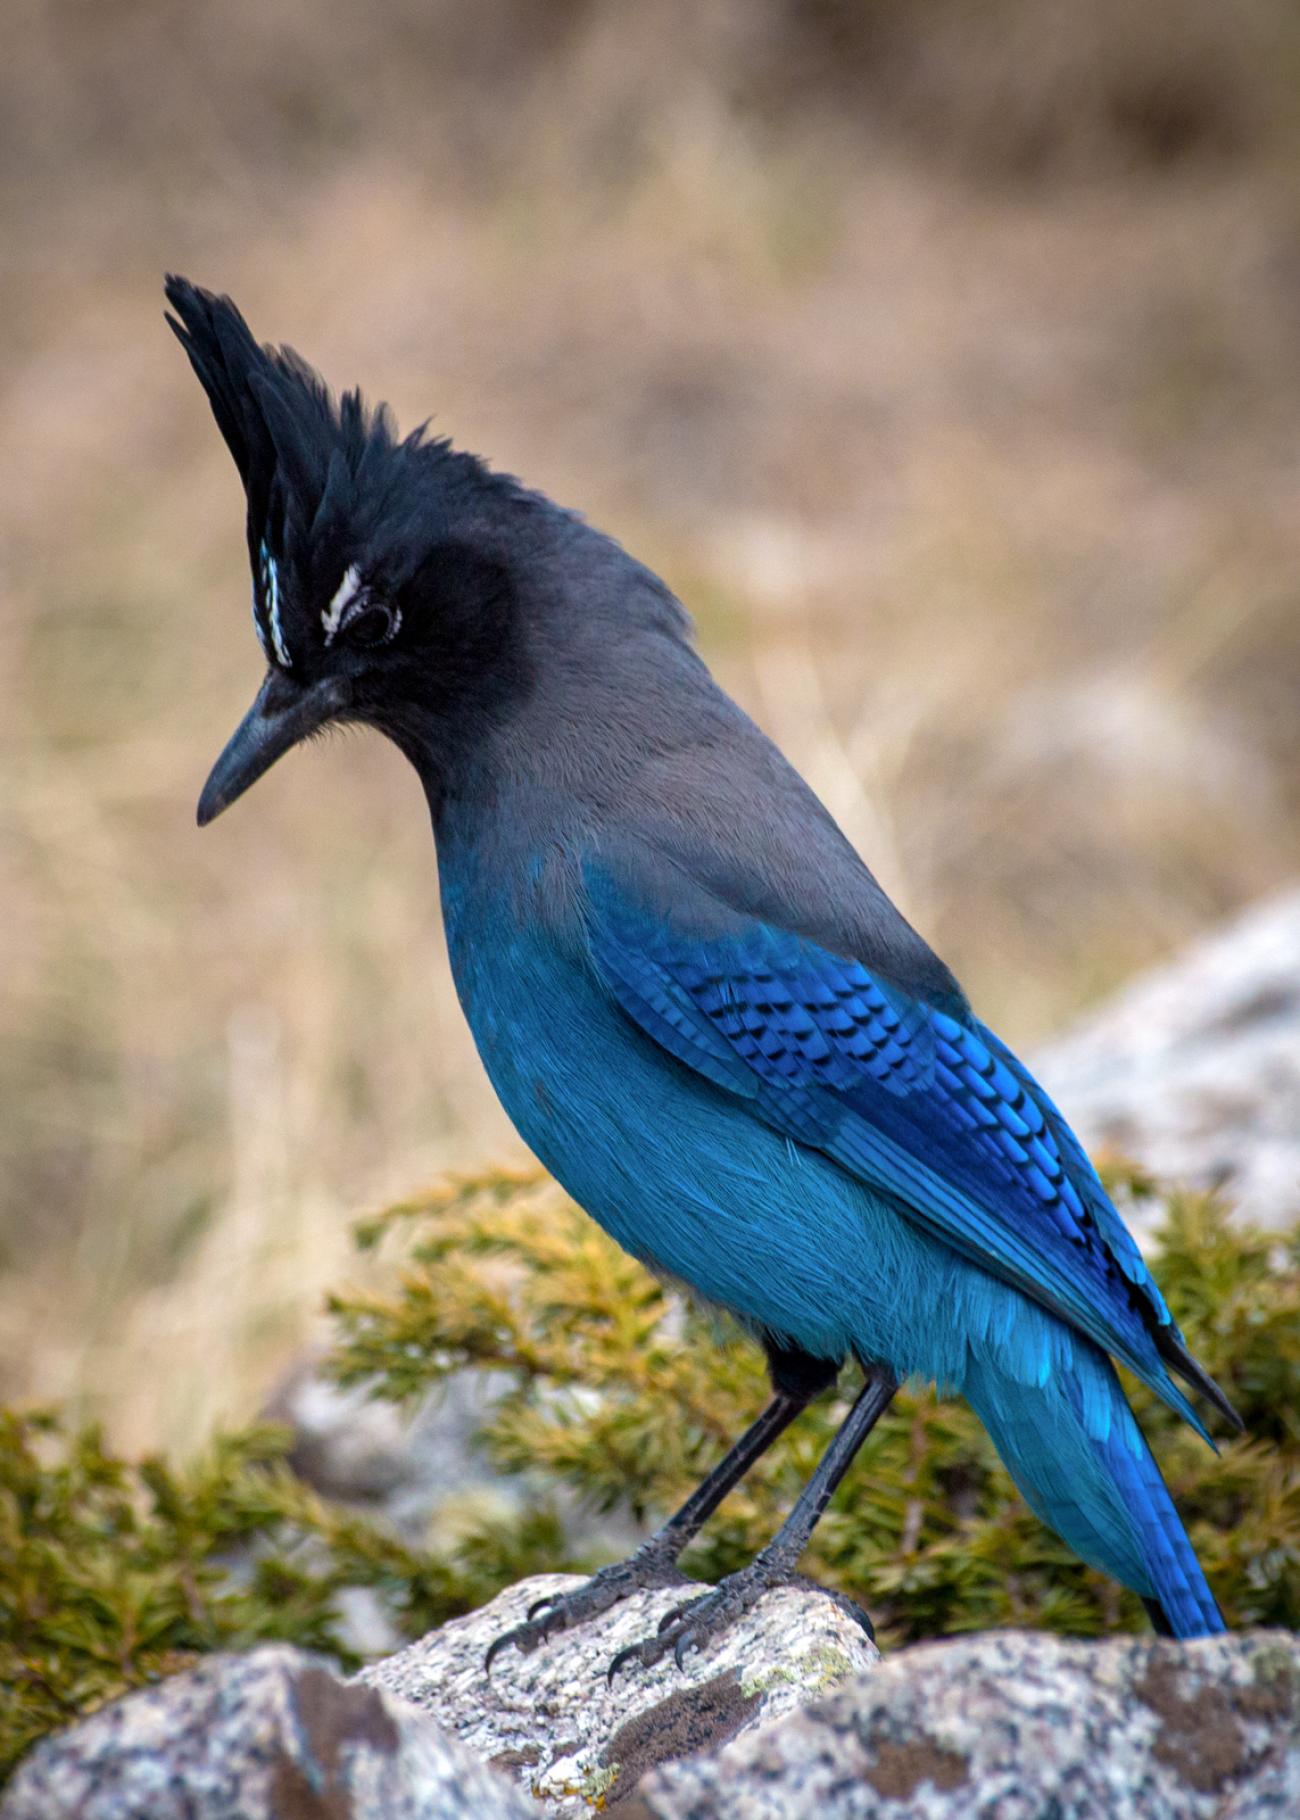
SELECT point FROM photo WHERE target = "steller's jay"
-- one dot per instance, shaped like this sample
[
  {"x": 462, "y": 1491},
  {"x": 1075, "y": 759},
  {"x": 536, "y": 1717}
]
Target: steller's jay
[{"x": 695, "y": 1002}]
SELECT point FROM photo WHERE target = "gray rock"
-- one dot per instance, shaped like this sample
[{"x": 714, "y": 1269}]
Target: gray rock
[
  {"x": 1193, "y": 1070},
  {"x": 1009, "y": 1726},
  {"x": 1021, "y": 1726},
  {"x": 422, "y": 1468},
  {"x": 352, "y": 1445},
  {"x": 552, "y": 1720},
  {"x": 274, "y": 1735}
]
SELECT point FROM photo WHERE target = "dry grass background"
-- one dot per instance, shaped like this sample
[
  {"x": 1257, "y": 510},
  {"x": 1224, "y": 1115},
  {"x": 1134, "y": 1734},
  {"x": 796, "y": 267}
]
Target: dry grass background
[{"x": 945, "y": 358}]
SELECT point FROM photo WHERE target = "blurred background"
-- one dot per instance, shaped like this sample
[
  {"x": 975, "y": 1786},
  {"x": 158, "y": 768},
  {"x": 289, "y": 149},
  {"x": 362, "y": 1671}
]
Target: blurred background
[{"x": 944, "y": 357}]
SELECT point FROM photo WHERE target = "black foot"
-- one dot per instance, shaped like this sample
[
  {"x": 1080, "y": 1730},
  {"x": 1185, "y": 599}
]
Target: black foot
[
  {"x": 700, "y": 1622},
  {"x": 648, "y": 1569}
]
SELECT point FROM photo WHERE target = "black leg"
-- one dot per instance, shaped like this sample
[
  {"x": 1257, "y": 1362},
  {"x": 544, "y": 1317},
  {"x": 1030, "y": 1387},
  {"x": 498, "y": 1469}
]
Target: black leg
[
  {"x": 792, "y": 1538},
  {"x": 655, "y": 1562},
  {"x": 687, "y": 1522},
  {"x": 696, "y": 1624}
]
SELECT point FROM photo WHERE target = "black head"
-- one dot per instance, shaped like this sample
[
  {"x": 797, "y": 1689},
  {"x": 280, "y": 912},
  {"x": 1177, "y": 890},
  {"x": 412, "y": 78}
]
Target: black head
[{"x": 376, "y": 597}]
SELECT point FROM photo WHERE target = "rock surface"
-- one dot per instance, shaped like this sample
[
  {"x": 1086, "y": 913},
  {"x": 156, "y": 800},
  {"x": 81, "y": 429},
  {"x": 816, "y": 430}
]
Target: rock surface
[
  {"x": 1193, "y": 1070},
  {"x": 423, "y": 1466},
  {"x": 792, "y": 1716},
  {"x": 551, "y": 1719},
  {"x": 274, "y": 1735},
  {"x": 361, "y": 1449},
  {"x": 1021, "y": 1726}
]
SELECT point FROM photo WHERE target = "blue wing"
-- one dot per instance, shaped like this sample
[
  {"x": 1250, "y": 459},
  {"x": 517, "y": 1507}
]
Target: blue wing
[{"x": 915, "y": 1098}]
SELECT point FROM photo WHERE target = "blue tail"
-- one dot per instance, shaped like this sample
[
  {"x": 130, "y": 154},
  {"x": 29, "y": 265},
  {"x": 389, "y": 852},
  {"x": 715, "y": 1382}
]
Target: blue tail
[{"x": 1073, "y": 1447}]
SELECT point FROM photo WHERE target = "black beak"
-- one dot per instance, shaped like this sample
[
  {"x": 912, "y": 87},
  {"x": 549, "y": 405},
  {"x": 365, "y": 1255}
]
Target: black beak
[{"x": 283, "y": 713}]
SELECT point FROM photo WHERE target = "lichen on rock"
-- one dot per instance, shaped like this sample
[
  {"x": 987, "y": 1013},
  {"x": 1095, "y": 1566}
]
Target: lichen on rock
[
  {"x": 1021, "y": 1724},
  {"x": 555, "y": 1721}
]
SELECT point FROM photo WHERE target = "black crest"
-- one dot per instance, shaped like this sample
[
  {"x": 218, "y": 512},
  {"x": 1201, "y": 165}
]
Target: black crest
[{"x": 328, "y": 481}]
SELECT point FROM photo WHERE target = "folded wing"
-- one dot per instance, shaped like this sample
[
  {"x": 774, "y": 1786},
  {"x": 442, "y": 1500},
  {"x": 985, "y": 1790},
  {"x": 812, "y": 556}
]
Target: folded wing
[{"x": 915, "y": 1098}]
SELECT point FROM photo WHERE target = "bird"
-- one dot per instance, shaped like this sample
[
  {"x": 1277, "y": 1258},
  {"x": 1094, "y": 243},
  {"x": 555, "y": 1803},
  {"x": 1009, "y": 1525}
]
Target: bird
[{"x": 697, "y": 1005}]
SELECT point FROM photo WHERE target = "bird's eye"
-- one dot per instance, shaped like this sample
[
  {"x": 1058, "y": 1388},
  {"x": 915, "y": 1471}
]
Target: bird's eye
[{"x": 372, "y": 625}]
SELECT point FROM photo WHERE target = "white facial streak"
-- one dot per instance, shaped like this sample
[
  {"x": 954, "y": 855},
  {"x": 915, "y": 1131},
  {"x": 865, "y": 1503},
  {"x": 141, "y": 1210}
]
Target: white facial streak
[{"x": 344, "y": 595}]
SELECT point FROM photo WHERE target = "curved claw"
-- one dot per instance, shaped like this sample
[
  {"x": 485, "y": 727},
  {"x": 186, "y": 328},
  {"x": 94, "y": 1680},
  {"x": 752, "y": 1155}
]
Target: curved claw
[
  {"x": 526, "y": 1637},
  {"x": 495, "y": 1647},
  {"x": 621, "y": 1660},
  {"x": 695, "y": 1624},
  {"x": 547, "y": 1598}
]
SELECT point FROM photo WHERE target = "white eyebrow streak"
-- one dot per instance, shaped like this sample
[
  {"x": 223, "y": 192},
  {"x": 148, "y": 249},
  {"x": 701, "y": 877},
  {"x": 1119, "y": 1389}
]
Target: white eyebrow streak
[{"x": 344, "y": 595}]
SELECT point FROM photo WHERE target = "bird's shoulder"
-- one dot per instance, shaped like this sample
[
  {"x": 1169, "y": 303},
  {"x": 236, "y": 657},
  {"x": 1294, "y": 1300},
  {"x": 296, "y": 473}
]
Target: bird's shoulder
[{"x": 724, "y": 832}]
